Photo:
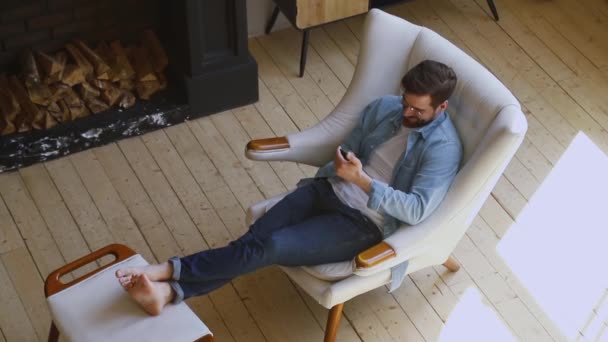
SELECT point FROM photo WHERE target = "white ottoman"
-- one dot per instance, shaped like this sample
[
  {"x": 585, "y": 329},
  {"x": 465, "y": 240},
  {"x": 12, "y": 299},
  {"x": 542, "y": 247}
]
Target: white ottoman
[{"x": 96, "y": 308}]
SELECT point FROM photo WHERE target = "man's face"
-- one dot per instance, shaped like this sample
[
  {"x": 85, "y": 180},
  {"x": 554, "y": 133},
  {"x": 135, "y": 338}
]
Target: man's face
[{"x": 418, "y": 110}]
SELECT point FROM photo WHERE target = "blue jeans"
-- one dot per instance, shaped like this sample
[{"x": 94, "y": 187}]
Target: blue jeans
[{"x": 310, "y": 226}]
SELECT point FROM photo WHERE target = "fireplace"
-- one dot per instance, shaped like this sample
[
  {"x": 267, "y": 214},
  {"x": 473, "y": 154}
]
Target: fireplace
[{"x": 210, "y": 68}]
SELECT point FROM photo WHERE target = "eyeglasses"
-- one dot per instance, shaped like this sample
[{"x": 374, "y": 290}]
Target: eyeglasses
[{"x": 407, "y": 107}]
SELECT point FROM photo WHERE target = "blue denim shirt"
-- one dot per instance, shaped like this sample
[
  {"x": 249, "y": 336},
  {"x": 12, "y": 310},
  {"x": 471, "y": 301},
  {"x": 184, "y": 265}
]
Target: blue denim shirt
[{"x": 421, "y": 177}]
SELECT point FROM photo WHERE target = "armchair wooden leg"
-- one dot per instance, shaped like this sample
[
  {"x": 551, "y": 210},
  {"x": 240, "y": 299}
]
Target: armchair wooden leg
[
  {"x": 451, "y": 265},
  {"x": 333, "y": 321},
  {"x": 54, "y": 333}
]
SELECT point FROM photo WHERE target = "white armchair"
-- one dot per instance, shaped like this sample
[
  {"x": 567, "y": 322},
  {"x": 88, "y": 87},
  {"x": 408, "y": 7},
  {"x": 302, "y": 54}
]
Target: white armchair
[{"x": 489, "y": 121}]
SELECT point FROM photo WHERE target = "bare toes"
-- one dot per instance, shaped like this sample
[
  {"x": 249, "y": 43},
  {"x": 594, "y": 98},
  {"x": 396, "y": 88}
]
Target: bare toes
[
  {"x": 127, "y": 272},
  {"x": 124, "y": 281}
]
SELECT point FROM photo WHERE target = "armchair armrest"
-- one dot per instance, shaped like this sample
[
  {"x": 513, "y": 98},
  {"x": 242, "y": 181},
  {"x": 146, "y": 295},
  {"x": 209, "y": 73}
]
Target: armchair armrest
[
  {"x": 375, "y": 255},
  {"x": 313, "y": 146},
  {"x": 387, "y": 41},
  {"x": 268, "y": 144},
  {"x": 411, "y": 242}
]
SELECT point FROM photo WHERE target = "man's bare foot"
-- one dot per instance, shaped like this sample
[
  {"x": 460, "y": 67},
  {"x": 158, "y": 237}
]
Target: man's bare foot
[
  {"x": 157, "y": 272},
  {"x": 151, "y": 296}
]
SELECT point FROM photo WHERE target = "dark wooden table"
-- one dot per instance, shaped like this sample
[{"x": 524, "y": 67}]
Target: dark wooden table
[{"x": 307, "y": 14}]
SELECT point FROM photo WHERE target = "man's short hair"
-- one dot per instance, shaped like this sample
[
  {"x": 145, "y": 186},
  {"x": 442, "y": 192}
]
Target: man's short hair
[{"x": 430, "y": 78}]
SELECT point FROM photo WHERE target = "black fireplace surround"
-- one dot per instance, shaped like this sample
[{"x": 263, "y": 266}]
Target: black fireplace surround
[{"x": 210, "y": 68}]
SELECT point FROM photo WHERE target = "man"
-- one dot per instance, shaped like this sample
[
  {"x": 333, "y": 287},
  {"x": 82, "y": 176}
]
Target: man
[{"x": 402, "y": 157}]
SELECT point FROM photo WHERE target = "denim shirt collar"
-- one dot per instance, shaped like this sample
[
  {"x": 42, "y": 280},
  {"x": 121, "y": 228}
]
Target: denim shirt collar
[{"x": 424, "y": 131}]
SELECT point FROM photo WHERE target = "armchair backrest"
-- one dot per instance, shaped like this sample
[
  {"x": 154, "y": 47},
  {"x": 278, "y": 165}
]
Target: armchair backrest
[
  {"x": 478, "y": 96},
  {"x": 391, "y": 46}
]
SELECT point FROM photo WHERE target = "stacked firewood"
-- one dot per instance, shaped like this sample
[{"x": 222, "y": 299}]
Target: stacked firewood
[{"x": 79, "y": 80}]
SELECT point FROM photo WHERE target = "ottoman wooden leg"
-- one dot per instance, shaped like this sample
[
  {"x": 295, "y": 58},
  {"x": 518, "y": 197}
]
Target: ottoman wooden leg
[{"x": 54, "y": 333}]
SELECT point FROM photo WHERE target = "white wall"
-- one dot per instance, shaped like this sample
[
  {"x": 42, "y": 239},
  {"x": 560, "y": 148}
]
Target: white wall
[{"x": 258, "y": 13}]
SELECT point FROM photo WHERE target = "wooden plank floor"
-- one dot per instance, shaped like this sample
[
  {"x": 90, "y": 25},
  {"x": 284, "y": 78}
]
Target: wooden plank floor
[{"x": 186, "y": 188}]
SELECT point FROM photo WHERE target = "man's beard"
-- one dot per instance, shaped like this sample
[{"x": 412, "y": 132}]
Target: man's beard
[{"x": 414, "y": 122}]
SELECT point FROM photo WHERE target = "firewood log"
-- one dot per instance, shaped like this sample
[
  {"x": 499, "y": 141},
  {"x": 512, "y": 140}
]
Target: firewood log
[
  {"x": 127, "y": 100},
  {"x": 50, "y": 67},
  {"x": 57, "y": 91},
  {"x": 9, "y": 106},
  {"x": 126, "y": 84},
  {"x": 143, "y": 67},
  {"x": 101, "y": 67},
  {"x": 71, "y": 98},
  {"x": 62, "y": 58},
  {"x": 79, "y": 59},
  {"x": 39, "y": 93},
  {"x": 79, "y": 112},
  {"x": 53, "y": 107},
  {"x": 59, "y": 113},
  {"x": 125, "y": 69},
  {"x": 39, "y": 119},
  {"x": 31, "y": 74},
  {"x": 65, "y": 113},
  {"x": 6, "y": 127},
  {"x": 29, "y": 111},
  {"x": 58, "y": 116},
  {"x": 101, "y": 84},
  {"x": 86, "y": 90},
  {"x": 73, "y": 75},
  {"x": 96, "y": 105},
  {"x": 158, "y": 56},
  {"x": 109, "y": 93},
  {"x": 104, "y": 50},
  {"x": 145, "y": 90},
  {"x": 75, "y": 104},
  {"x": 49, "y": 120}
]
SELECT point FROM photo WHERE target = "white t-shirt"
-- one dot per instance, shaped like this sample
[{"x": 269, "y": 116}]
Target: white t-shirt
[{"x": 381, "y": 163}]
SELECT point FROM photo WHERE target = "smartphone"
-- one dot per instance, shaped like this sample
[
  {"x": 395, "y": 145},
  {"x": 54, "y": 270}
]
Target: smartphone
[{"x": 343, "y": 153}]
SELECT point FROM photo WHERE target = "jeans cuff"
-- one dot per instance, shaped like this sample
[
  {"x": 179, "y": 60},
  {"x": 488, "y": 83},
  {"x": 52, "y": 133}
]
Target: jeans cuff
[
  {"x": 177, "y": 267},
  {"x": 179, "y": 292}
]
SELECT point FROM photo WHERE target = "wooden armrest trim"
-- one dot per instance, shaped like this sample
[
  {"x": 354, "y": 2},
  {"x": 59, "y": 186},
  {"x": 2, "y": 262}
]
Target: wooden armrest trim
[
  {"x": 206, "y": 338},
  {"x": 53, "y": 285},
  {"x": 375, "y": 255},
  {"x": 268, "y": 144}
]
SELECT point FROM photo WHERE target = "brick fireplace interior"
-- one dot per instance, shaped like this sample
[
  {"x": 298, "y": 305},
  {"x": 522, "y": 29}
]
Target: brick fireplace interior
[{"x": 209, "y": 69}]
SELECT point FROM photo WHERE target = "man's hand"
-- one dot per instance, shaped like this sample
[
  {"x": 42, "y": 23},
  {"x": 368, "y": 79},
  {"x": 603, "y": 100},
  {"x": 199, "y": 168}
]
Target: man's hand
[{"x": 351, "y": 170}]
